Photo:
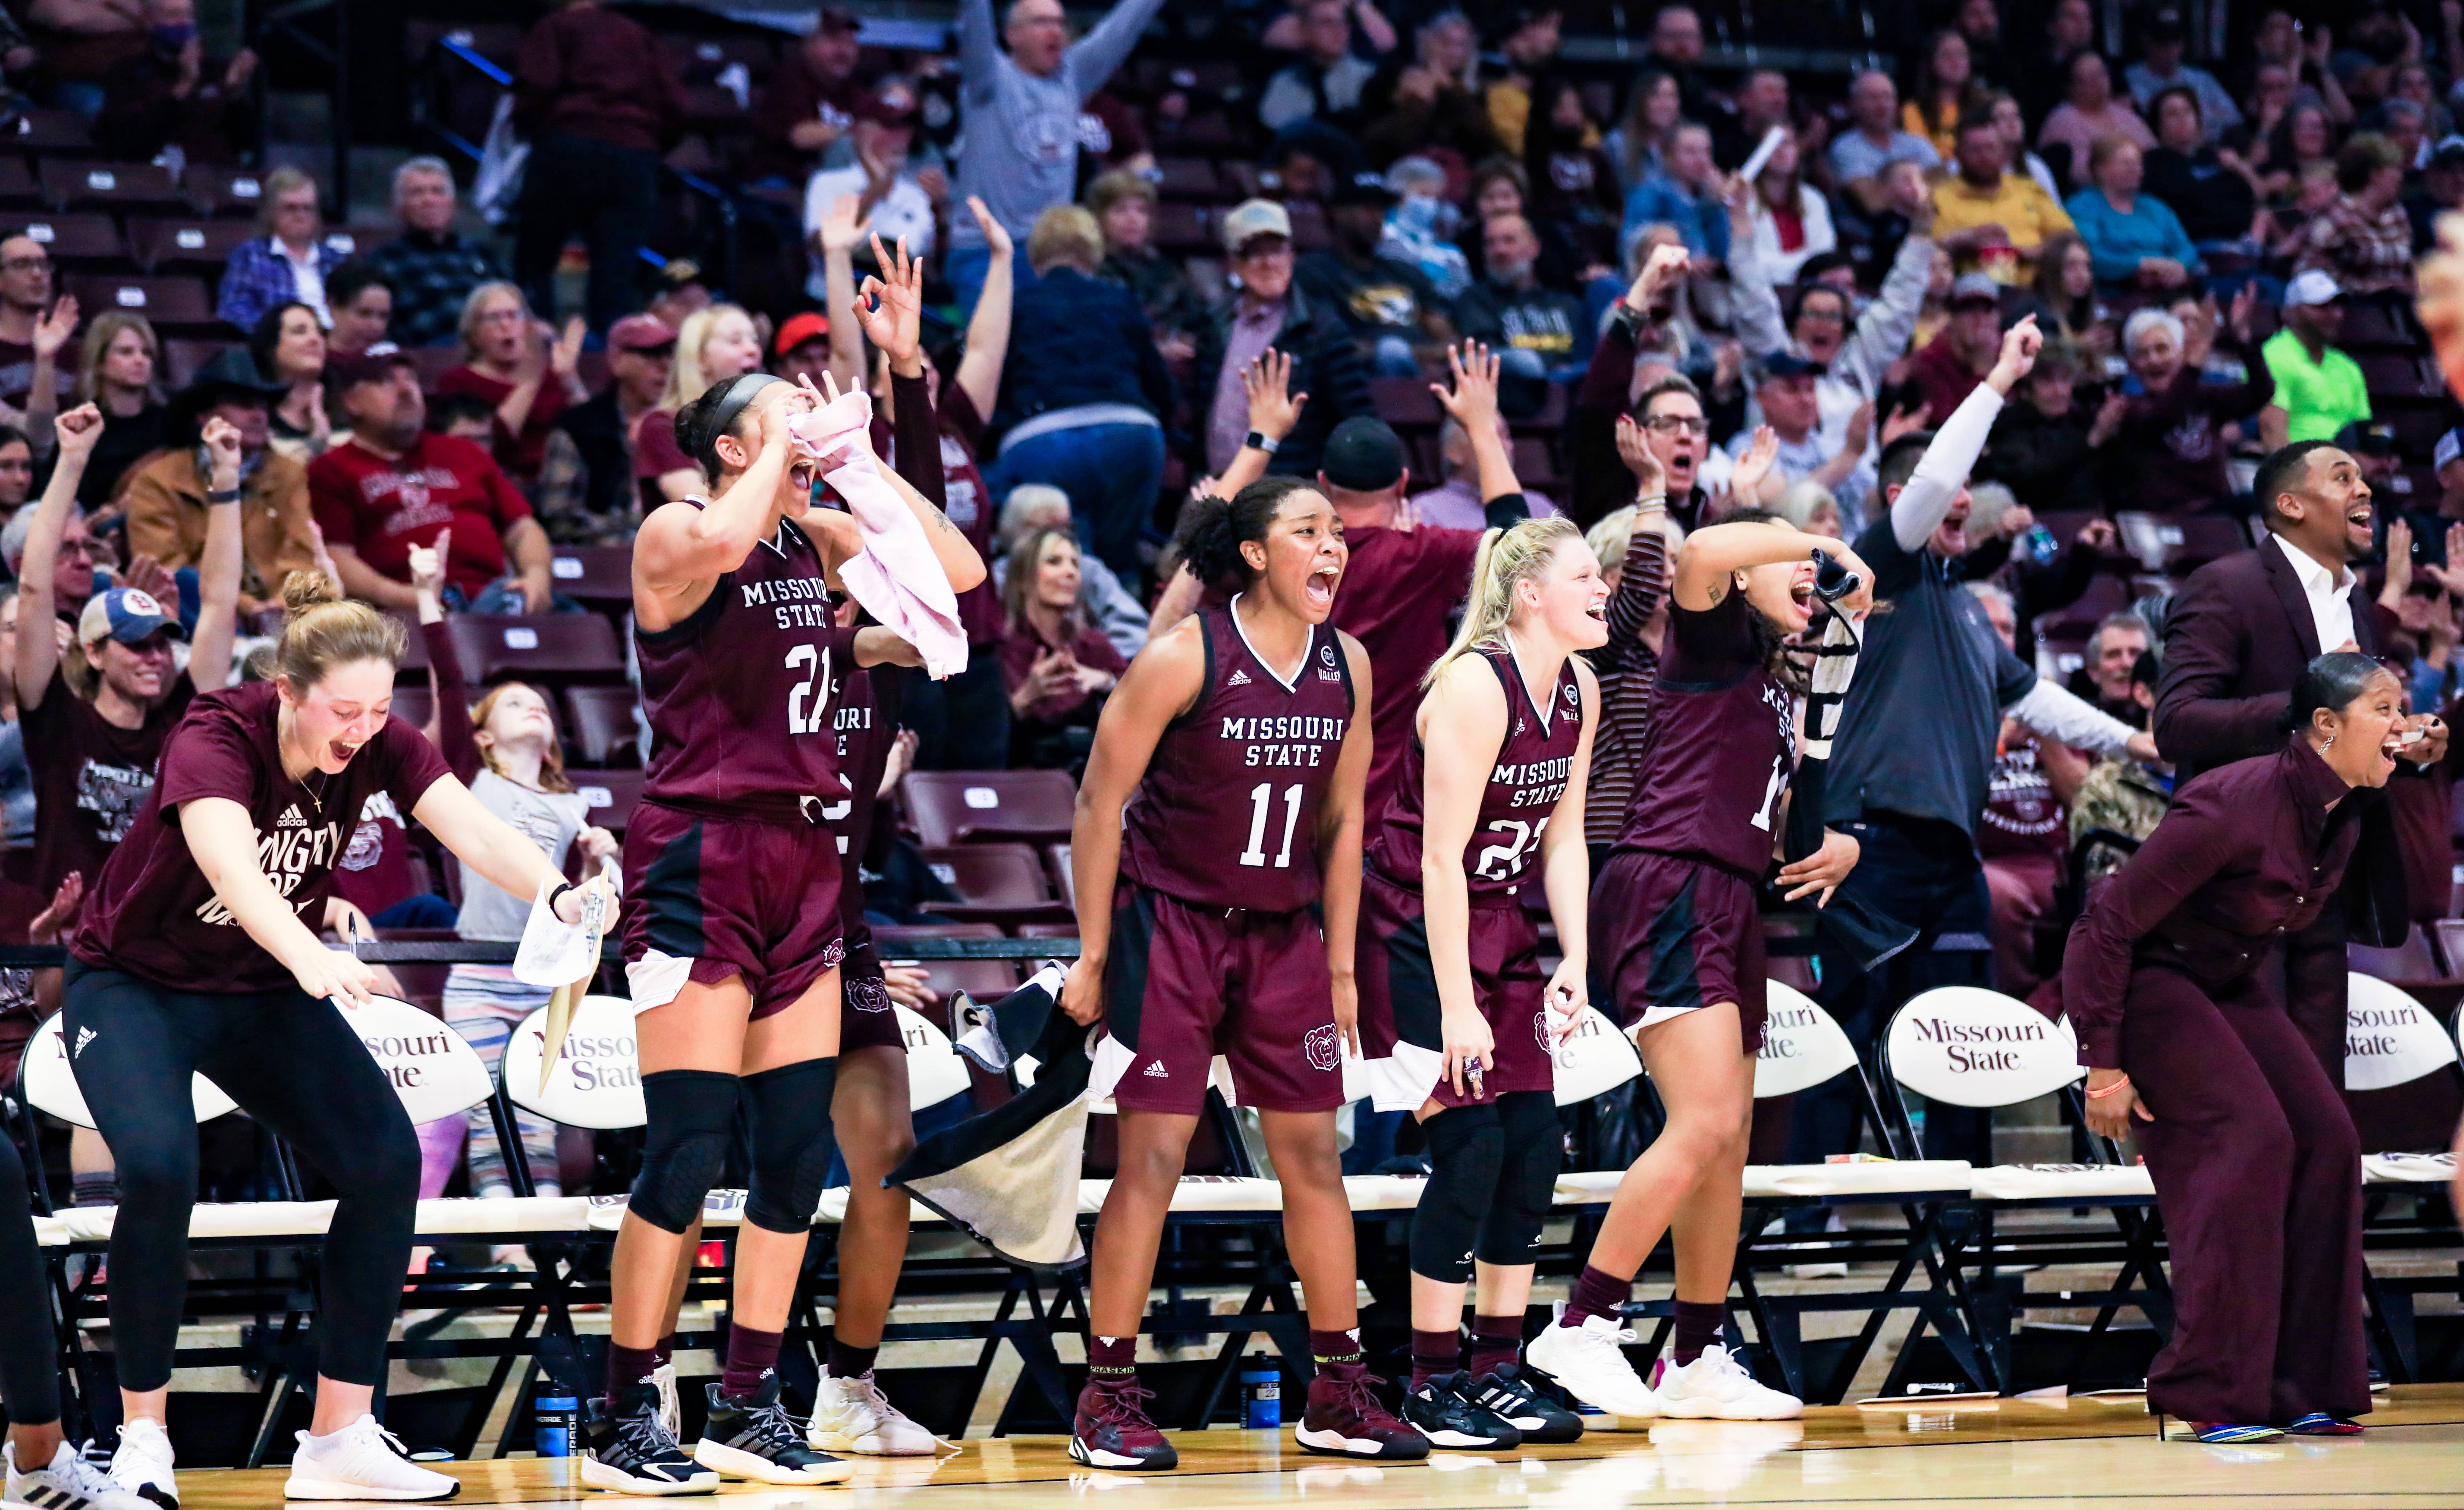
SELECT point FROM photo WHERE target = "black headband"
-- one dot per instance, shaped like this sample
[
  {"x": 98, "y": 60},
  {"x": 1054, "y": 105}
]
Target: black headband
[{"x": 707, "y": 424}]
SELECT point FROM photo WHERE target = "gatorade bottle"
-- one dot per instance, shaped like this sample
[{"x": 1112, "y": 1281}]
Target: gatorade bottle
[
  {"x": 555, "y": 1418},
  {"x": 1261, "y": 1394}
]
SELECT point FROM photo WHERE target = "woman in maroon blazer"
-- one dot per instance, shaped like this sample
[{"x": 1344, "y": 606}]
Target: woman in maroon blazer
[{"x": 2255, "y": 1162}]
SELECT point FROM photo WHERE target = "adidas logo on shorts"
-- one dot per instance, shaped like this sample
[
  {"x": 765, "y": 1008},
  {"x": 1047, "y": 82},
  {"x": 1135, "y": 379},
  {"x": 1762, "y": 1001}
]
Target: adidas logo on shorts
[
  {"x": 1156, "y": 1071},
  {"x": 1238, "y": 678},
  {"x": 85, "y": 1035}
]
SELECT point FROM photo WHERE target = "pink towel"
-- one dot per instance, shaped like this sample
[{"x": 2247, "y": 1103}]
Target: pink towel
[{"x": 896, "y": 576}]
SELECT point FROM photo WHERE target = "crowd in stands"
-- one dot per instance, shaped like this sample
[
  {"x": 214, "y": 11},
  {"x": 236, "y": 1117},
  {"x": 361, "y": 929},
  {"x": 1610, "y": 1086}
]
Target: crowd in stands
[{"x": 1143, "y": 267}]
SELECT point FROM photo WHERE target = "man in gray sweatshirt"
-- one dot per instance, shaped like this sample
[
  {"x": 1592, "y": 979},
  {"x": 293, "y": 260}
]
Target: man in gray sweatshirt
[{"x": 1019, "y": 111}]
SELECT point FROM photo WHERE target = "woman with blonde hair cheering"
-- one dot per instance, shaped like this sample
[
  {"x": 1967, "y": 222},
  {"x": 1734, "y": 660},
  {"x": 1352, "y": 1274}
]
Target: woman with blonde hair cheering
[
  {"x": 1454, "y": 1014},
  {"x": 712, "y": 346}
]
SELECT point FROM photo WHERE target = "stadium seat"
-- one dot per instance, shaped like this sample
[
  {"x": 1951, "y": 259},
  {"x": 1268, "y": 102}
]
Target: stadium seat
[
  {"x": 171, "y": 304},
  {"x": 159, "y": 242},
  {"x": 414, "y": 663},
  {"x": 17, "y": 186},
  {"x": 1190, "y": 178},
  {"x": 2412, "y": 966},
  {"x": 2104, "y": 595},
  {"x": 997, "y": 883},
  {"x": 611, "y": 794},
  {"x": 958, "y": 807},
  {"x": 602, "y": 721},
  {"x": 986, "y": 981},
  {"x": 48, "y": 132},
  {"x": 1183, "y": 227},
  {"x": 88, "y": 239},
  {"x": 593, "y": 573},
  {"x": 2179, "y": 544},
  {"x": 414, "y": 704},
  {"x": 182, "y": 358},
  {"x": 1056, "y": 857},
  {"x": 69, "y": 182},
  {"x": 550, "y": 648},
  {"x": 224, "y": 191},
  {"x": 1405, "y": 403}
]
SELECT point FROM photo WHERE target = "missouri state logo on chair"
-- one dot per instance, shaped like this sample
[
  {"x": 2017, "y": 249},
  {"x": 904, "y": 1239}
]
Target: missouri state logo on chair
[
  {"x": 49, "y": 1084},
  {"x": 430, "y": 1068},
  {"x": 2389, "y": 1038},
  {"x": 597, "y": 1083},
  {"x": 1802, "y": 1044},
  {"x": 1973, "y": 1048}
]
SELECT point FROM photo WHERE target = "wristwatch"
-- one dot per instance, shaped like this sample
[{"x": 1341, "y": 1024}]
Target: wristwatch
[{"x": 1257, "y": 441}]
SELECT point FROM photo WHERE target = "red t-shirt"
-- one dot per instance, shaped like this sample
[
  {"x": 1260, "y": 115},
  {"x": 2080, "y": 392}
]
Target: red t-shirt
[
  {"x": 381, "y": 508},
  {"x": 656, "y": 453},
  {"x": 91, "y": 777},
  {"x": 519, "y": 454},
  {"x": 154, "y": 914},
  {"x": 1396, "y": 595}
]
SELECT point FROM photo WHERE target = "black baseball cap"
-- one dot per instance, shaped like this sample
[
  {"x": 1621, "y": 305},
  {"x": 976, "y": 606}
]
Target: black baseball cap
[
  {"x": 1364, "y": 188},
  {"x": 1786, "y": 364},
  {"x": 1364, "y": 455},
  {"x": 2367, "y": 438}
]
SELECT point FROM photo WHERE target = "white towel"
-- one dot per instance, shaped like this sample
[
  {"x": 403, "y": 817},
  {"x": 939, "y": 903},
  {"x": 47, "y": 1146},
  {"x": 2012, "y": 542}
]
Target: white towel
[{"x": 895, "y": 574}]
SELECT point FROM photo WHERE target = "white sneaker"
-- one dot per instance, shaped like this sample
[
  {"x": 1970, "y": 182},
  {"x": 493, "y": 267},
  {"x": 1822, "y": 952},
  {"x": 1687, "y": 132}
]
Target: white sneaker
[
  {"x": 1586, "y": 1361},
  {"x": 361, "y": 1461},
  {"x": 1716, "y": 1386},
  {"x": 68, "y": 1482},
  {"x": 852, "y": 1415},
  {"x": 143, "y": 1465},
  {"x": 672, "y": 1410}
]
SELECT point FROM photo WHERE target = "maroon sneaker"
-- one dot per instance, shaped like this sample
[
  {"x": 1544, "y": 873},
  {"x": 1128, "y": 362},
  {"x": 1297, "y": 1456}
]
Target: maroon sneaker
[
  {"x": 1345, "y": 1419},
  {"x": 1113, "y": 1430}
]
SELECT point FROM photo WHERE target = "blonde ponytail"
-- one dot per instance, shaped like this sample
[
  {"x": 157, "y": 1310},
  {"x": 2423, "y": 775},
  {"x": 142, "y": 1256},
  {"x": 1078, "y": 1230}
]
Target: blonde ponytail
[{"x": 1506, "y": 560}]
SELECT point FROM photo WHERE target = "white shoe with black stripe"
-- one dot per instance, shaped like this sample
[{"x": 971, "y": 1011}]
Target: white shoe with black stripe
[{"x": 67, "y": 1482}]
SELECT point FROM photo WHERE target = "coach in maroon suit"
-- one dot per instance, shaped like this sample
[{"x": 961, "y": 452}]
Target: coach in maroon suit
[{"x": 2237, "y": 639}]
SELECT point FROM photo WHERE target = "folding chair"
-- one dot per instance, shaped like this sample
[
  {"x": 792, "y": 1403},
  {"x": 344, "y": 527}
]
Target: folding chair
[
  {"x": 1967, "y": 1046},
  {"x": 2401, "y": 1082}
]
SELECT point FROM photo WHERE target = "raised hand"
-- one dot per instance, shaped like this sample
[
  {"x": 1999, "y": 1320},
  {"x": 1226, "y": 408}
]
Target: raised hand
[
  {"x": 564, "y": 356},
  {"x": 2020, "y": 344},
  {"x": 1661, "y": 271},
  {"x": 427, "y": 566},
  {"x": 1745, "y": 484},
  {"x": 1860, "y": 427},
  {"x": 1273, "y": 408},
  {"x": 841, "y": 230},
  {"x": 152, "y": 577},
  {"x": 77, "y": 430},
  {"x": 1634, "y": 448},
  {"x": 1472, "y": 401},
  {"x": 996, "y": 234},
  {"x": 57, "y": 324},
  {"x": 1904, "y": 422},
  {"x": 221, "y": 439},
  {"x": 891, "y": 307},
  {"x": 47, "y": 925}
]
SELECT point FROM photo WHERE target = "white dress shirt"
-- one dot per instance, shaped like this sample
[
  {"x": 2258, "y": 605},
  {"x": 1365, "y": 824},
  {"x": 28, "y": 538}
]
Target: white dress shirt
[{"x": 2330, "y": 595}]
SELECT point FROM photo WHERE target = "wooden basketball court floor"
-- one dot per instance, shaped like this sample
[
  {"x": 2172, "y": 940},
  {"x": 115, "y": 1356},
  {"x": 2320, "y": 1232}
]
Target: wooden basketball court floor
[{"x": 2019, "y": 1454}]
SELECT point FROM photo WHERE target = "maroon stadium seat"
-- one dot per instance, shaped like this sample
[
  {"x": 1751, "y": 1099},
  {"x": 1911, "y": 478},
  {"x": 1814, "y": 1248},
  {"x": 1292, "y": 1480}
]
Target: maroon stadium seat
[
  {"x": 17, "y": 186},
  {"x": 69, "y": 182},
  {"x": 594, "y": 573},
  {"x": 1002, "y": 884},
  {"x": 984, "y": 979},
  {"x": 1405, "y": 403},
  {"x": 414, "y": 704},
  {"x": 2177, "y": 544},
  {"x": 958, "y": 807},
  {"x": 171, "y": 304},
  {"x": 235, "y": 191},
  {"x": 611, "y": 794},
  {"x": 48, "y": 132},
  {"x": 414, "y": 663},
  {"x": 602, "y": 721},
  {"x": 554, "y": 648},
  {"x": 181, "y": 360},
  {"x": 78, "y": 239},
  {"x": 1183, "y": 227},
  {"x": 1056, "y": 859},
  {"x": 1189, "y": 178},
  {"x": 185, "y": 241}
]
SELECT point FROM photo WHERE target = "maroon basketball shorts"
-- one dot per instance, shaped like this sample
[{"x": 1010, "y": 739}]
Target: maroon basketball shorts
[
  {"x": 1183, "y": 984},
  {"x": 706, "y": 898},
  {"x": 865, "y": 1021},
  {"x": 1400, "y": 1029},
  {"x": 1673, "y": 935}
]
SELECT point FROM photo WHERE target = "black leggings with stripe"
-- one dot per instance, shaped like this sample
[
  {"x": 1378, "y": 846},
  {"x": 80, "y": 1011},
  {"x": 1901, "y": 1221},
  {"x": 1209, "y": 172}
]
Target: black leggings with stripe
[{"x": 30, "y": 1384}]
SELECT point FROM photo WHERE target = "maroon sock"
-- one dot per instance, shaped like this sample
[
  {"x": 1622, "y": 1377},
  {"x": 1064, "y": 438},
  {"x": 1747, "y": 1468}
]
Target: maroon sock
[
  {"x": 1599, "y": 1294},
  {"x": 1434, "y": 1353},
  {"x": 628, "y": 1366},
  {"x": 1698, "y": 1326},
  {"x": 1113, "y": 1359},
  {"x": 751, "y": 1357},
  {"x": 1495, "y": 1342},
  {"x": 851, "y": 1362},
  {"x": 666, "y": 1351},
  {"x": 1337, "y": 1352}
]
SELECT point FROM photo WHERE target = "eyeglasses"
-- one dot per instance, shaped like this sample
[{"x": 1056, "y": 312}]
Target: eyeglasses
[
  {"x": 34, "y": 264},
  {"x": 1679, "y": 425},
  {"x": 1823, "y": 315}
]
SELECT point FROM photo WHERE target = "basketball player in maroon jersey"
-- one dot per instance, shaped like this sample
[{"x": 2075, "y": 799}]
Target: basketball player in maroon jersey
[
  {"x": 732, "y": 933},
  {"x": 1681, "y": 940},
  {"x": 1452, "y": 1014},
  {"x": 1215, "y": 916}
]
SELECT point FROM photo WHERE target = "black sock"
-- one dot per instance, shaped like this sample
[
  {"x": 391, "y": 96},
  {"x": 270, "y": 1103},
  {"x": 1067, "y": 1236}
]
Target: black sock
[
  {"x": 851, "y": 1362},
  {"x": 1434, "y": 1353},
  {"x": 1698, "y": 1326}
]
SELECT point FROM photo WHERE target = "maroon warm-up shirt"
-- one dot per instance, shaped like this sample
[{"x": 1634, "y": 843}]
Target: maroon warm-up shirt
[
  {"x": 152, "y": 913},
  {"x": 1523, "y": 789},
  {"x": 1721, "y": 743},
  {"x": 738, "y": 694},
  {"x": 1227, "y": 814},
  {"x": 1398, "y": 590}
]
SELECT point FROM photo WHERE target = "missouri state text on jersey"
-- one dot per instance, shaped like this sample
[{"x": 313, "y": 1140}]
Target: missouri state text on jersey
[
  {"x": 795, "y": 603},
  {"x": 1293, "y": 740}
]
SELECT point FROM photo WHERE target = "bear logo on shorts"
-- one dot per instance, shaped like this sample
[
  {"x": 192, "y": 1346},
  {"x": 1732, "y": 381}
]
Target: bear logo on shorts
[
  {"x": 1323, "y": 1047},
  {"x": 1540, "y": 1029},
  {"x": 866, "y": 994}
]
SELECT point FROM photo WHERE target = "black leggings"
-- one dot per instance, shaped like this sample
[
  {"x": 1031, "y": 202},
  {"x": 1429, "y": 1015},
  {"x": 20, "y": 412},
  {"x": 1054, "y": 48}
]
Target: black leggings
[
  {"x": 30, "y": 1383},
  {"x": 296, "y": 1065}
]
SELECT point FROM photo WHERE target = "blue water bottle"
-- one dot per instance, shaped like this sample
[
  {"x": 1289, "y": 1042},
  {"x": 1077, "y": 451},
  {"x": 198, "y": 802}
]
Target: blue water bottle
[
  {"x": 1261, "y": 1394},
  {"x": 556, "y": 1418},
  {"x": 2038, "y": 544}
]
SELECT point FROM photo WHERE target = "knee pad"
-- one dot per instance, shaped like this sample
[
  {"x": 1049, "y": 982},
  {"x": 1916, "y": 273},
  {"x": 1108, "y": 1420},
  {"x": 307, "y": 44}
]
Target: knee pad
[
  {"x": 1526, "y": 1176},
  {"x": 1466, "y": 1144},
  {"x": 691, "y": 1116},
  {"x": 787, "y": 1113}
]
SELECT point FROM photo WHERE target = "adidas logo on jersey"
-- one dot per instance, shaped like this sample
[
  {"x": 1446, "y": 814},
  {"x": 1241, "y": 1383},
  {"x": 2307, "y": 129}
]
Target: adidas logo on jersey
[
  {"x": 291, "y": 819},
  {"x": 1238, "y": 678},
  {"x": 1156, "y": 1071}
]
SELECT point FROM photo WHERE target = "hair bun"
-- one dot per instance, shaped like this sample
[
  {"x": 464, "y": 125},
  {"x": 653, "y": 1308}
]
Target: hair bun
[{"x": 304, "y": 590}]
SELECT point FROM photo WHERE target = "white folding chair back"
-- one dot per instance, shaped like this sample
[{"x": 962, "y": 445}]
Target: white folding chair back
[
  {"x": 435, "y": 1073},
  {"x": 1593, "y": 1059},
  {"x": 1973, "y": 1048},
  {"x": 1802, "y": 1044},
  {"x": 597, "y": 1078},
  {"x": 51, "y": 1086},
  {"x": 2390, "y": 1040},
  {"x": 934, "y": 1072}
]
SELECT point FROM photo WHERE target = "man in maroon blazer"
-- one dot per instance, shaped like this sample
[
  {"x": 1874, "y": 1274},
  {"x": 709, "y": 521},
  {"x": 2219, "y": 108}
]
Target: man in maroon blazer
[{"x": 2236, "y": 637}]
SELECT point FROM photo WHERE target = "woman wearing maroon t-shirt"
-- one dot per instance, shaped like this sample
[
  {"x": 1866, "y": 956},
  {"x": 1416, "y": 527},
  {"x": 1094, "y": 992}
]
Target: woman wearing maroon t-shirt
[
  {"x": 94, "y": 729},
  {"x": 1057, "y": 665},
  {"x": 1677, "y": 924},
  {"x": 519, "y": 367},
  {"x": 712, "y": 346},
  {"x": 224, "y": 874}
]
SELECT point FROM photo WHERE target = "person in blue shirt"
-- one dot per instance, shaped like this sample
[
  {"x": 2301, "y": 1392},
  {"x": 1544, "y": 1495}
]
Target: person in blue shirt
[
  {"x": 2135, "y": 240},
  {"x": 1686, "y": 195}
]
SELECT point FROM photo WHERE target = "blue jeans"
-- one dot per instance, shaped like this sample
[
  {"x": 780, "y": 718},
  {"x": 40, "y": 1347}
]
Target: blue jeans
[
  {"x": 1112, "y": 473},
  {"x": 965, "y": 269},
  {"x": 503, "y": 595}
]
